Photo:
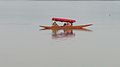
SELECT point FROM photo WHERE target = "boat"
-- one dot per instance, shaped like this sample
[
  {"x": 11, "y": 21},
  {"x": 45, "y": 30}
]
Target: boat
[{"x": 65, "y": 27}]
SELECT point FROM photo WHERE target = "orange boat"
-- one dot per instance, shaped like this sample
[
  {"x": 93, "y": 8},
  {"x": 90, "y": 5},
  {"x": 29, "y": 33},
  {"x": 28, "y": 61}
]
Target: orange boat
[{"x": 66, "y": 26}]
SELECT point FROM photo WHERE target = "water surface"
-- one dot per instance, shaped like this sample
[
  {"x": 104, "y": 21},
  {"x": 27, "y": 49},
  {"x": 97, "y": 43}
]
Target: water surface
[{"x": 22, "y": 44}]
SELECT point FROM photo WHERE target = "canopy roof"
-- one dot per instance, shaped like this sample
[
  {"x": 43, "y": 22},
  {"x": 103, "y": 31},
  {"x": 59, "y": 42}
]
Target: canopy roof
[{"x": 63, "y": 20}]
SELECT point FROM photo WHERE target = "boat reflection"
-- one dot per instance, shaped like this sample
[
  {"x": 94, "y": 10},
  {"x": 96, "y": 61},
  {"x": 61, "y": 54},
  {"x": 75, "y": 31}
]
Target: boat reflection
[
  {"x": 62, "y": 34},
  {"x": 65, "y": 33}
]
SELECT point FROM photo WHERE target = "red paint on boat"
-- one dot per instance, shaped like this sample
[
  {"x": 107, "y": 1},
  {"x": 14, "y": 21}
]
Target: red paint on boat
[{"x": 64, "y": 20}]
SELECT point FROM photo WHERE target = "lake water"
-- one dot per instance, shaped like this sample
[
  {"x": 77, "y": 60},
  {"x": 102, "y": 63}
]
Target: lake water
[{"x": 23, "y": 44}]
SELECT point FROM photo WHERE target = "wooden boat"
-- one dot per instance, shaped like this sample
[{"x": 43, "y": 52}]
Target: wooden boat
[{"x": 67, "y": 26}]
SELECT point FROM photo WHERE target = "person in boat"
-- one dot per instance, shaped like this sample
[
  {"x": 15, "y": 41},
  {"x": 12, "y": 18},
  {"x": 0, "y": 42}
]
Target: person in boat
[
  {"x": 64, "y": 24},
  {"x": 54, "y": 23},
  {"x": 71, "y": 24},
  {"x": 67, "y": 24}
]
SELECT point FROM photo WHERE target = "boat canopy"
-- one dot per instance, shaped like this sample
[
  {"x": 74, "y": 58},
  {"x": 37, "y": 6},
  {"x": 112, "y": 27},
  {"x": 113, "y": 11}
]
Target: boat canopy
[{"x": 64, "y": 20}]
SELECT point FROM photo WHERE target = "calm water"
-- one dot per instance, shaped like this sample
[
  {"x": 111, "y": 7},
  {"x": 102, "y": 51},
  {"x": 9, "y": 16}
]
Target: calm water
[{"x": 23, "y": 44}]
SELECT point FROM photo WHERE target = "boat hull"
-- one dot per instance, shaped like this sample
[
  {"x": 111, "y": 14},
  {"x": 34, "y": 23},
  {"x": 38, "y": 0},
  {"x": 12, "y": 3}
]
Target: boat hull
[{"x": 66, "y": 27}]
